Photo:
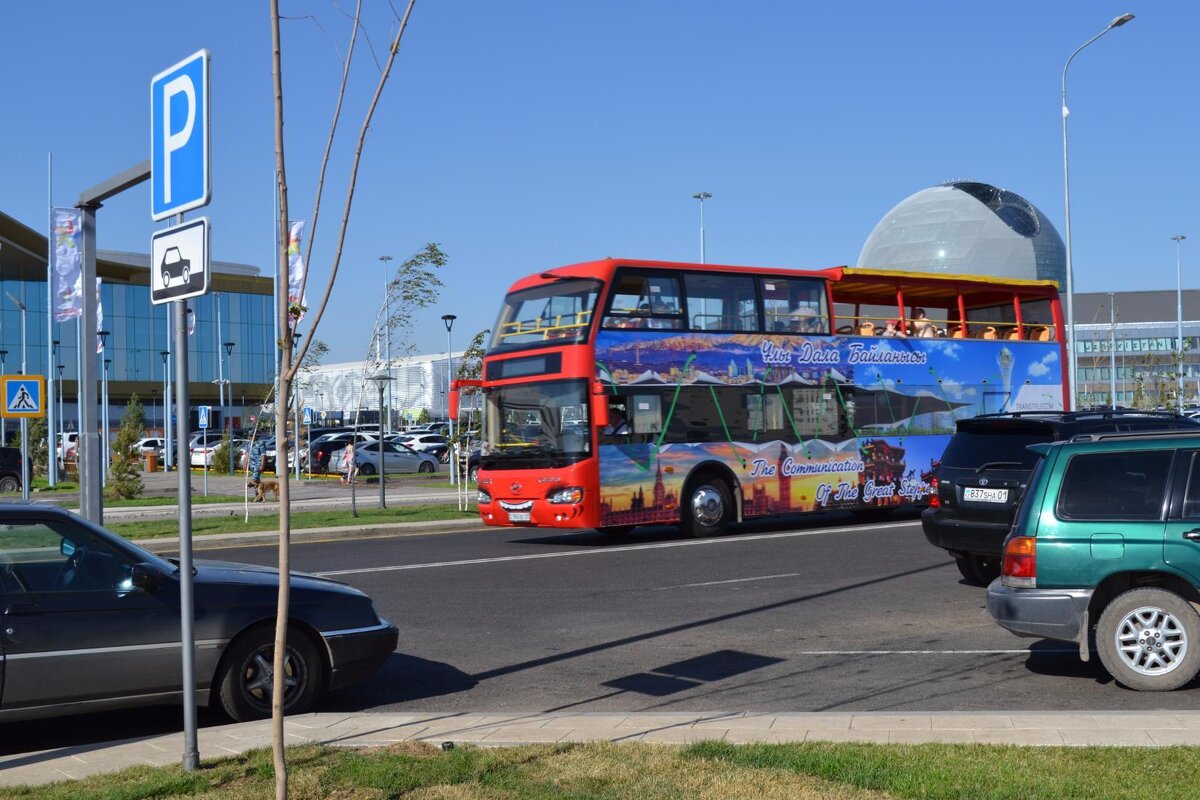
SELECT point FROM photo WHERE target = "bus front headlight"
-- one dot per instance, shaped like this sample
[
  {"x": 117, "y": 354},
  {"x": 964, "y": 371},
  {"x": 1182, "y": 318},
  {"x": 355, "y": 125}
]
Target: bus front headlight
[{"x": 572, "y": 494}]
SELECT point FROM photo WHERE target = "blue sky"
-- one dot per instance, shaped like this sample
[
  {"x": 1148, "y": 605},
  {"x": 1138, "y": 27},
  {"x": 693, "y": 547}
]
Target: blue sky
[{"x": 537, "y": 133}]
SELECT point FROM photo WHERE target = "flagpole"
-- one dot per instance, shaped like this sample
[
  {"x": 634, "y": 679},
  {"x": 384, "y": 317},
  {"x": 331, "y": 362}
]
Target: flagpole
[{"x": 52, "y": 445}]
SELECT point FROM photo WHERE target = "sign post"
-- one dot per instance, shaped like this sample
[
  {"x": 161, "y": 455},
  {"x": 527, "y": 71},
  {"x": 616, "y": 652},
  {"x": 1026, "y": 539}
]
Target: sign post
[
  {"x": 203, "y": 415},
  {"x": 24, "y": 397},
  {"x": 181, "y": 180}
]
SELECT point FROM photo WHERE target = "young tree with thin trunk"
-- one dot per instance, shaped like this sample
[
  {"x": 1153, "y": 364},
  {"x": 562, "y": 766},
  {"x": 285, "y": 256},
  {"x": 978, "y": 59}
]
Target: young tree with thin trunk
[{"x": 291, "y": 356}]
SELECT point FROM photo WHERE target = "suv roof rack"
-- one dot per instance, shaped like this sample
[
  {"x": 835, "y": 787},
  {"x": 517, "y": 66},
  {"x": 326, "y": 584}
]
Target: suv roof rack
[
  {"x": 1070, "y": 416},
  {"x": 1101, "y": 437}
]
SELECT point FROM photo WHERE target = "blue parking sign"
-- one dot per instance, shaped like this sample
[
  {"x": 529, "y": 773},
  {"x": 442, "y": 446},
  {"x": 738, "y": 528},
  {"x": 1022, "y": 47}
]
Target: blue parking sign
[{"x": 179, "y": 138}]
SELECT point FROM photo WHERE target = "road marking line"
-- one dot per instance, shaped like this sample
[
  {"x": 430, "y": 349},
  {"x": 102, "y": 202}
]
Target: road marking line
[
  {"x": 1026, "y": 652},
  {"x": 622, "y": 549},
  {"x": 733, "y": 580}
]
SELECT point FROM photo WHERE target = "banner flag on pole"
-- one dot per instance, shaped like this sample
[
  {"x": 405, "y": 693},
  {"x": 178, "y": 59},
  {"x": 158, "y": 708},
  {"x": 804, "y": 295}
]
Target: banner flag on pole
[
  {"x": 296, "y": 270},
  {"x": 99, "y": 319},
  {"x": 68, "y": 264}
]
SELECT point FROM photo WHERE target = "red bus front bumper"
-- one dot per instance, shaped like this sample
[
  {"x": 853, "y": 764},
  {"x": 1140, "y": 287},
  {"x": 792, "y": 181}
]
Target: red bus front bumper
[{"x": 521, "y": 498}]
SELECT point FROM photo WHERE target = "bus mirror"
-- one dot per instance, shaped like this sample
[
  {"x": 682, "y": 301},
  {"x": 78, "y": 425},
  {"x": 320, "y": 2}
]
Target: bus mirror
[
  {"x": 454, "y": 400},
  {"x": 599, "y": 410}
]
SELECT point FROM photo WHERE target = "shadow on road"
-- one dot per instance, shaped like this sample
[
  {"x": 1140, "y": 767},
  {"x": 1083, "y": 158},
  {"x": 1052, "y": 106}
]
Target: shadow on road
[
  {"x": 775, "y": 524},
  {"x": 403, "y": 678}
]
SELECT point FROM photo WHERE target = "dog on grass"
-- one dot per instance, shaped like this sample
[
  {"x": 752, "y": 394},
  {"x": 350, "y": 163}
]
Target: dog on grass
[{"x": 261, "y": 487}]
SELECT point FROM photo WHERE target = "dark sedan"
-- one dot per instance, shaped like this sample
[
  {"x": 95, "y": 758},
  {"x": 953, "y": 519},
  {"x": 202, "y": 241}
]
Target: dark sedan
[{"x": 91, "y": 621}]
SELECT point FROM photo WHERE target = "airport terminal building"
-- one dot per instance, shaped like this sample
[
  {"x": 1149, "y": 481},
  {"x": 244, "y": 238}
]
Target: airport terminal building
[{"x": 238, "y": 309}]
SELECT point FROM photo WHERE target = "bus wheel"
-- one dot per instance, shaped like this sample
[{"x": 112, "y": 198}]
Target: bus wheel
[{"x": 708, "y": 508}]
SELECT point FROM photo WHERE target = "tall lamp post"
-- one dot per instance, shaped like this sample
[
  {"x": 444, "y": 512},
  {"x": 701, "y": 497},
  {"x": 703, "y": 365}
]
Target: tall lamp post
[
  {"x": 3, "y": 420},
  {"x": 24, "y": 420},
  {"x": 52, "y": 427},
  {"x": 62, "y": 423},
  {"x": 229, "y": 354},
  {"x": 702, "y": 196},
  {"x": 1179, "y": 320},
  {"x": 449, "y": 320},
  {"x": 380, "y": 380},
  {"x": 105, "y": 433},
  {"x": 168, "y": 447},
  {"x": 387, "y": 335},
  {"x": 1071, "y": 363}
]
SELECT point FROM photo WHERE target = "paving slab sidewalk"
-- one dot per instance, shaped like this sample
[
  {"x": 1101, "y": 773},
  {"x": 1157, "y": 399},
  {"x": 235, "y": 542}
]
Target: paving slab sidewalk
[{"x": 380, "y": 729}]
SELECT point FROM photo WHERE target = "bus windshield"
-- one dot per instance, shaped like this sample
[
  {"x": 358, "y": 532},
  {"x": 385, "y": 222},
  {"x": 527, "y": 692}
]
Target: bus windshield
[
  {"x": 558, "y": 313},
  {"x": 537, "y": 425}
]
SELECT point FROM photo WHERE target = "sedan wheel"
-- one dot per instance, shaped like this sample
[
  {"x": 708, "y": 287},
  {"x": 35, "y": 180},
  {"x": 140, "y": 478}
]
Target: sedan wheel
[
  {"x": 247, "y": 683},
  {"x": 9, "y": 484},
  {"x": 367, "y": 468},
  {"x": 425, "y": 467}
]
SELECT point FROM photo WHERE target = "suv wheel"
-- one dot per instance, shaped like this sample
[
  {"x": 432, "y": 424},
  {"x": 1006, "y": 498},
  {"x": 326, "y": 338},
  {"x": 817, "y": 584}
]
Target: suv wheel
[
  {"x": 977, "y": 570},
  {"x": 1149, "y": 640}
]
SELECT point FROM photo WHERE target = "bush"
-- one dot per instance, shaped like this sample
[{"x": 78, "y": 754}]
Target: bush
[
  {"x": 125, "y": 469},
  {"x": 220, "y": 456}
]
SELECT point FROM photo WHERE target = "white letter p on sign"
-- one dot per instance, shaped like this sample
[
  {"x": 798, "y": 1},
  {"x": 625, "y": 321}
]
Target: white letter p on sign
[{"x": 174, "y": 141}]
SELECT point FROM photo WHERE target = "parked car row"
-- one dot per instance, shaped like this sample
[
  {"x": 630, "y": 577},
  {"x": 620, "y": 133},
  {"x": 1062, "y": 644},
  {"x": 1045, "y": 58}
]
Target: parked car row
[{"x": 1086, "y": 527}]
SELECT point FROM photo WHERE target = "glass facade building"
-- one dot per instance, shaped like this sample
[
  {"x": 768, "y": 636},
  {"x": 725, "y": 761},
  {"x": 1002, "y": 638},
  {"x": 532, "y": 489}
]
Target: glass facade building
[{"x": 138, "y": 331}]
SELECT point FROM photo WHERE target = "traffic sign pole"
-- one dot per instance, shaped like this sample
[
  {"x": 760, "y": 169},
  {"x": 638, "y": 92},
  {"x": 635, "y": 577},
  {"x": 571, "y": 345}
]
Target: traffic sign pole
[{"x": 187, "y": 612}]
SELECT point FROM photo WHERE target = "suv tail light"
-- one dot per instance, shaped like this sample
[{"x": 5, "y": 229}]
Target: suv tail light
[
  {"x": 1020, "y": 563},
  {"x": 934, "y": 500}
]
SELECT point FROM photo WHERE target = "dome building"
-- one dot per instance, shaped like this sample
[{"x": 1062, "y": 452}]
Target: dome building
[{"x": 968, "y": 228}]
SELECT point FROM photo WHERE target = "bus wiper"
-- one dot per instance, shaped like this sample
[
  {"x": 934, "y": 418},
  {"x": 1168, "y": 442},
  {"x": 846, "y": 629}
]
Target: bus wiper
[{"x": 995, "y": 464}]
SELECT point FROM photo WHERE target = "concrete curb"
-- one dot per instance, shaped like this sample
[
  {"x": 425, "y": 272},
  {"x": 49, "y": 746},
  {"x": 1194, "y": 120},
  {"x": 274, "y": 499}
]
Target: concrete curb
[{"x": 1069, "y": 729}]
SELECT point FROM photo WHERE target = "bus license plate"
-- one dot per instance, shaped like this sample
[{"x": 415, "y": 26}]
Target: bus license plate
[
  {"x": 985, "y": 495},
  {"x": 518, "y": 516}
]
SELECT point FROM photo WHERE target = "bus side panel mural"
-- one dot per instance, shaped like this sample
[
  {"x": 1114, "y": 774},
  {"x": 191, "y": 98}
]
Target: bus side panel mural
[{"x": 804, "y": 423}]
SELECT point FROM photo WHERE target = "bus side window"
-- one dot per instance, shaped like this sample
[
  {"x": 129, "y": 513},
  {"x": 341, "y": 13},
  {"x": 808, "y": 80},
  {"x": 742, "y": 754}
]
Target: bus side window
[{"x": 647, "y": 413}]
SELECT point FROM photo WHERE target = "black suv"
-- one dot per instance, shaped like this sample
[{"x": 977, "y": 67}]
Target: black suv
[{"x": 986, "y": 467}]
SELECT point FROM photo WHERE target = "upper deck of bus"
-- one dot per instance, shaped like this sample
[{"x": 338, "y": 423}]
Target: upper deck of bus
[{"x": 858, "y": 302}]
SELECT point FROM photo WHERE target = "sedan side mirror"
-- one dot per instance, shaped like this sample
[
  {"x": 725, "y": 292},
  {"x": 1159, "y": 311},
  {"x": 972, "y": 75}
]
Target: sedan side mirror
[{"x": 145, "y": 577}]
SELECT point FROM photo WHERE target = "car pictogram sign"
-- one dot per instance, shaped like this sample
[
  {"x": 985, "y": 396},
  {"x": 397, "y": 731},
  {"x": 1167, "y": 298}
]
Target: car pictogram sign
[
  {"x": 179, "y": 262},
  {"x": 24, "y": 396}
]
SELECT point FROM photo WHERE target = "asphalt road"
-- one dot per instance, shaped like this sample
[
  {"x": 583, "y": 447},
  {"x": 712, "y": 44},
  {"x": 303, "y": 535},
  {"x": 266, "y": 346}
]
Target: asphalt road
[{"x": 818, "y": 614}]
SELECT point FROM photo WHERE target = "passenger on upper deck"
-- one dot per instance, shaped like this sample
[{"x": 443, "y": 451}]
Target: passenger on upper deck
[
  {"x": 892, "y": 329},
  {"x": 922, "y": 327}
]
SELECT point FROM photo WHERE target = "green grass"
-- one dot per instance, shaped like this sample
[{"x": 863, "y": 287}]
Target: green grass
[
  {"x": 662, "y": 772},
  {"x": 367, "y": 513},
  {"x": 980, "y": 772}
]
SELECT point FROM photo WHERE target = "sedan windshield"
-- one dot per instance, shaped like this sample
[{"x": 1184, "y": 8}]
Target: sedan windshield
[
  {"x": 537, "y": 425},
  {"x": 555, "y": 313}
]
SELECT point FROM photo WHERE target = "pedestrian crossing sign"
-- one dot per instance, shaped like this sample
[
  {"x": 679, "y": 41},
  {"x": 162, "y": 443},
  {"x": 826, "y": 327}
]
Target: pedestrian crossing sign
[{"x": 24, "y": 396}]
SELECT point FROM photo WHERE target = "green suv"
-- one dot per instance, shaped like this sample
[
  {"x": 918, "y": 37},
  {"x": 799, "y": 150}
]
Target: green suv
[{"x": 1107, "y": 540}]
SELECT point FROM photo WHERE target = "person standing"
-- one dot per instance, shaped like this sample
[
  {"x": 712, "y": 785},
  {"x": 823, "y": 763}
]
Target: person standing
[{"x": 348, "y": 467}]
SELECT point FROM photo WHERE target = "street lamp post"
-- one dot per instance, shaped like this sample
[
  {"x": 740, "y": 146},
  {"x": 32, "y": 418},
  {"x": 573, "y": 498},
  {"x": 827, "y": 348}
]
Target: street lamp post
[
  {"x": 52, "y": 427},
  {"x": 1071, "y": 363},
  {"x": 24, "y": 420},
  {"x": 3, "y": 420},
  {"x": 380, "y": 380},
  {"x": 702, "y": 196},
  {"x": 229, "y": 354},
  {"x": 168, "y": 447},
  {"x": 1179, "y": 321},
  {"x": 105, "y": 433},
  {"x": 62, "y": 423},
  {"x": 387, "y": 335},
  {"x": 449, "y": 320}
]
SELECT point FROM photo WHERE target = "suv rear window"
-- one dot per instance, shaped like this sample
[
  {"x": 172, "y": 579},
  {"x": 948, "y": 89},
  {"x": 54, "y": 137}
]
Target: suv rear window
[
  {"x": 1121, "y": 485},
  {"x": 972, "y": 449}
]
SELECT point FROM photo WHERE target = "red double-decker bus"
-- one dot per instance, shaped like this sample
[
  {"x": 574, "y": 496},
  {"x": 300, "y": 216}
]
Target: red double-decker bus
[{"x": 620, "y": 393}]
